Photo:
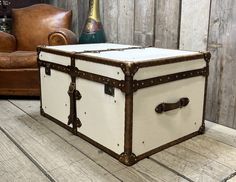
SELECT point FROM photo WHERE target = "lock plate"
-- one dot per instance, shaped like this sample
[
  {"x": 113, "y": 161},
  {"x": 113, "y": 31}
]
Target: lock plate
[
  {"x": 47, "y": 70},
  {"x": 109, "y": 90}
]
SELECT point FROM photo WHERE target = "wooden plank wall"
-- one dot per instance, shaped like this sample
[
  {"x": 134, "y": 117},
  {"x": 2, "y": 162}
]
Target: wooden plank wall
[
  {"x": 166, "y": 23},
  {"x": 221, "y": 101}
]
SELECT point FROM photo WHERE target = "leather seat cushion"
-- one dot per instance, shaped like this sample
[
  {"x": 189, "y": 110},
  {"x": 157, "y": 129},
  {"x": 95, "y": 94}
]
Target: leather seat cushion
[{"x": 18, "y": 59}]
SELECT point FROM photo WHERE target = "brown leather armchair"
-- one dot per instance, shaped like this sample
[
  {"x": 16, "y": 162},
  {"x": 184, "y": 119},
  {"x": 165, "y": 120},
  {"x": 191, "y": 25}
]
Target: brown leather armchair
[{"x": 40, "y": 24}]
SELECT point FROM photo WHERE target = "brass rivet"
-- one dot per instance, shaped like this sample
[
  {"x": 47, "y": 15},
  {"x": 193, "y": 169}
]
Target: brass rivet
[
  {"x": 118, "y": 144},
  {"x": 143, "y": 142}
]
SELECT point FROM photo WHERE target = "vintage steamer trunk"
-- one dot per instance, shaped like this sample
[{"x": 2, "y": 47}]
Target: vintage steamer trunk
[{"x": 129, "y": 101}]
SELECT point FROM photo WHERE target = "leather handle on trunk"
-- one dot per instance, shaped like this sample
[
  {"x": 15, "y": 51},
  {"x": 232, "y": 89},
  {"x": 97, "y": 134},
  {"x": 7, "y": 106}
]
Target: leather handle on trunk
[{"x": 164, "y": 107}]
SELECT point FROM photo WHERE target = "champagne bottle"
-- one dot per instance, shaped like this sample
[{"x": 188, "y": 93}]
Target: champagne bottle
[{"x": 93, "y": 30}]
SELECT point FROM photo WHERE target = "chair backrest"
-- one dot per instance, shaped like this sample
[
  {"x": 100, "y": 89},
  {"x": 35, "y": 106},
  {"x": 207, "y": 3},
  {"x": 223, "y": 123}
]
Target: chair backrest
[{"x": 32, "y": 25}]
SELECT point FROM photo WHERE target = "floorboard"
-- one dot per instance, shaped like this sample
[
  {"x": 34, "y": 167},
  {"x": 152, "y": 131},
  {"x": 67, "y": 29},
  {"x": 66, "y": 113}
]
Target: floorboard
[
  {"x": 14, "y": 165},
  {"x": 221, "y": 133},
  {"x": 145, "y": 170},
  {"x": 209, "y": 157},
  {"x": 51, "y": 152}
]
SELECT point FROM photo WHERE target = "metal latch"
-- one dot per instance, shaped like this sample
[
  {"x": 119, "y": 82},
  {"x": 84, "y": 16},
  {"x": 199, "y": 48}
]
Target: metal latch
[
  {"x": 109, "y": 90},
  {"x": 47, "y": 69},
  {"x": 74, "y": 95}
]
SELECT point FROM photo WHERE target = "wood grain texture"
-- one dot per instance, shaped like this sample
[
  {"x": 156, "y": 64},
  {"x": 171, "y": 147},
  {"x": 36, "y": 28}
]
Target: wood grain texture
[
  {"x": 219, "y": 152},
  {"x": 14, "y": 166},
  {"x": 192, "y": 164},
  {"x": 221, "y": 133},
  {"x": 110, "y": 21},
  {"x": 194, "y": 30},
  {"x": 73, "y": 5},
  {"x": 144, "y": 25},
  {"x": 125, "y": 22},
  {"x": 83, "y": 6},
  {"x": 222, "y": 80},
  {"x": 167, "y": 23},
  {"x": 145, "y": 170},
  {"x": 62, "y": 4},
  {"x": 51, "y": 151}
]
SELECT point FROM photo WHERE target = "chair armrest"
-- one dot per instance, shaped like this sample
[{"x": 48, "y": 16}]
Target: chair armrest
[
  {"x": 62, "y": 36},
  {"x": 7, "y": 42}
]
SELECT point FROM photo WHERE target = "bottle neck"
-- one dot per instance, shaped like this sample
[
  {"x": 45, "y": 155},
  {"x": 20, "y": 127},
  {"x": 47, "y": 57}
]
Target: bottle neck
[{"x": 94, "y": 10}]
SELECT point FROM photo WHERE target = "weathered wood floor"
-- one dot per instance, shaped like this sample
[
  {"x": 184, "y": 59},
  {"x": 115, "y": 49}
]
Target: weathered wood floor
[{"x": 33, "y": 148}]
